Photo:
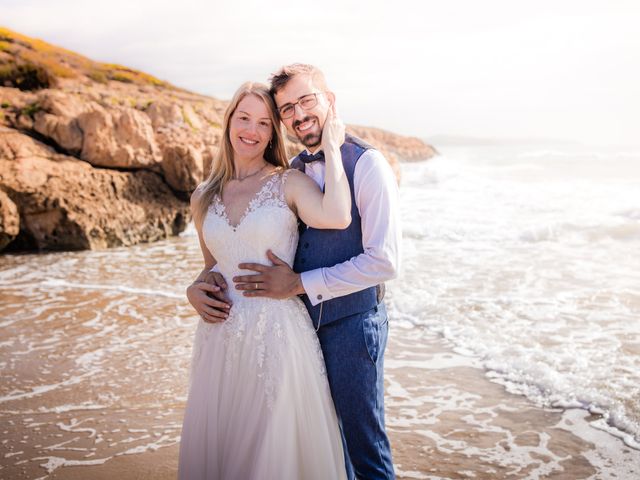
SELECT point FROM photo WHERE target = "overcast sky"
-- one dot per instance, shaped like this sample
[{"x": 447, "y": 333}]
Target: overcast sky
[{"x": 567, "y": 69}]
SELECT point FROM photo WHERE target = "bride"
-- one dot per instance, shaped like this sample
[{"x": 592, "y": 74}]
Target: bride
[{"x": 259, "y": 405}]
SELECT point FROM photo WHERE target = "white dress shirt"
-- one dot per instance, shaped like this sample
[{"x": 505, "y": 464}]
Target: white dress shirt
[{"x": 376, "y": 196}]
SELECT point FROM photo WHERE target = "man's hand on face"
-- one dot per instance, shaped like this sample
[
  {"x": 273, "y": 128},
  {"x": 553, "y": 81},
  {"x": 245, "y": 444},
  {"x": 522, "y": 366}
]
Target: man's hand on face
[
  {"x": 209, "y": 299},
  {"x": 275, "y": 281}
]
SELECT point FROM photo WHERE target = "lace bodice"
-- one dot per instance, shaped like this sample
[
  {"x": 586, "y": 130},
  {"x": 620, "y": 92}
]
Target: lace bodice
[
  {"x": 263, "y": 323},
  {"x": 267, "y": 223}
]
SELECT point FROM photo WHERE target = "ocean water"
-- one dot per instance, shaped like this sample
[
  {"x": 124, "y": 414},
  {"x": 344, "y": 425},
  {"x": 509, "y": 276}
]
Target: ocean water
[
  {"x": 529, "y": 259},
  {"x": 526, "y": 260}
]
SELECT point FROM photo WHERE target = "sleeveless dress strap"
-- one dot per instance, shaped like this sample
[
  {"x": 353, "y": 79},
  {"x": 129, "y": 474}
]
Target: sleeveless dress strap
[
  {"x": 283, "y": 180},
  {"x": 285, "y": 175}
]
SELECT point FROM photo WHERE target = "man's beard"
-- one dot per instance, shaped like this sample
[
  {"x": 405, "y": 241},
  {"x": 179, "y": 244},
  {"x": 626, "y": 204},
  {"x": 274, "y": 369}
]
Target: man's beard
[{"x": 311, "y": 139}]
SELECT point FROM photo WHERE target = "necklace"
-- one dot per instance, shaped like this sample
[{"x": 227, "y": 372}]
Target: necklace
[{"x": 241, "y": 179}]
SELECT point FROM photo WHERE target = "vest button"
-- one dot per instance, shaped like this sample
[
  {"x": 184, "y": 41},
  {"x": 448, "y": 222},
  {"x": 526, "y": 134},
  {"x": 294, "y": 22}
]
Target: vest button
[{"x": 306, "y": 244}]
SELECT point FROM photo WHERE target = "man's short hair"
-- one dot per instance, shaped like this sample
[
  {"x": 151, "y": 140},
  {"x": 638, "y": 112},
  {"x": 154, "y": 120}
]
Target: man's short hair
[{"x": 279, "y": 79}]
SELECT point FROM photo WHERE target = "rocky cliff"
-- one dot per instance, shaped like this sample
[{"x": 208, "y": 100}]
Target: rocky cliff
[{"x": 96, "y": 155}]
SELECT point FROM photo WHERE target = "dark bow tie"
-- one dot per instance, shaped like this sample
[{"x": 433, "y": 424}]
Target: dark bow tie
[{"x": 308, "y": 158}]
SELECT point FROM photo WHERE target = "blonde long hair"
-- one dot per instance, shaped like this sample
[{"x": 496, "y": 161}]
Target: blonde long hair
[{"x": 223, "y": 168}]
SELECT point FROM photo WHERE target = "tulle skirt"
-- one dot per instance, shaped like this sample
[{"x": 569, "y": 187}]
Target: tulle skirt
[{"x": 259, "y": 404}]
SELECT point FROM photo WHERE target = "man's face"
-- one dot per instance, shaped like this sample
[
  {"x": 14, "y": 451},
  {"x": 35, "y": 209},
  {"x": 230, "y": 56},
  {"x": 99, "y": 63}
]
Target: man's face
[{"x": 306, "y": 125}]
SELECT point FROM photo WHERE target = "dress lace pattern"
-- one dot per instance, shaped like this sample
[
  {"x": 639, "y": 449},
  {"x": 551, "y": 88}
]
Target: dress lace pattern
[
  {"x": 267, "y": 223},
  {"x": 270, "y": 194},
  {"x": 259, "y": 405}
]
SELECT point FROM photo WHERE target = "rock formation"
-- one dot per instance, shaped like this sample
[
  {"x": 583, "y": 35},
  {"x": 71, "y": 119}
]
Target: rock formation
[
  {"x": 67, "y": 204},
  {"x": 98, "y": 155},
  {"x": 9, "y": 220}
]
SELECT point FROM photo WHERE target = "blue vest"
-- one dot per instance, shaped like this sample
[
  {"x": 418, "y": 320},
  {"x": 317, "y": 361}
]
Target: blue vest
[{"x": 325, "y": 248}]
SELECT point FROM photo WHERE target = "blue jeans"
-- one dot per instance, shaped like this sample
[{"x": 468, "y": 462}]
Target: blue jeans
[{"x": 353, "y": 349}]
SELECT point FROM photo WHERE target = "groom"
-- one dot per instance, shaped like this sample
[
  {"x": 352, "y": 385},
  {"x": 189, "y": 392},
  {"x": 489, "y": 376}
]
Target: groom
[{"x": 340, "y": 274}]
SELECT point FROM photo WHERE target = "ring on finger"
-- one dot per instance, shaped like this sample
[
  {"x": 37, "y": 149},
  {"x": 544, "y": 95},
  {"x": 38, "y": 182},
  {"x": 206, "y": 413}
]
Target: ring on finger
[{"x": 256, "y": 286}]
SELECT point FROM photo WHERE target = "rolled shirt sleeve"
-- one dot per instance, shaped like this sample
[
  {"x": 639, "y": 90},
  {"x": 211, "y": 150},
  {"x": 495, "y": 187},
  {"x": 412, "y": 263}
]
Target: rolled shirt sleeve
[{"x": 376, "y": 196}]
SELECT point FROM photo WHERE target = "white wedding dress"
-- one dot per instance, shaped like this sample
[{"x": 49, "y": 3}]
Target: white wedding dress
[{"x": 259, "y": 404}]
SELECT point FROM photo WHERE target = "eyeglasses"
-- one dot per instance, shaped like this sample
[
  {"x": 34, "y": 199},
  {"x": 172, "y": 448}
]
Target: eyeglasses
[{"x": 306, "y": 102}]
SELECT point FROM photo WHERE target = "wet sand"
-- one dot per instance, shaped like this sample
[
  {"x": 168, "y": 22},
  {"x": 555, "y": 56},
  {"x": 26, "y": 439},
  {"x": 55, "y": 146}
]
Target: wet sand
[
  {"x": 95, "y": 350},
  {"x": 446, "y": 419}
]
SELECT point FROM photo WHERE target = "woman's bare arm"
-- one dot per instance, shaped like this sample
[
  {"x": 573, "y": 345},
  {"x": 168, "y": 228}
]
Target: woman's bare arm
[{"x": 333, "y": 208}]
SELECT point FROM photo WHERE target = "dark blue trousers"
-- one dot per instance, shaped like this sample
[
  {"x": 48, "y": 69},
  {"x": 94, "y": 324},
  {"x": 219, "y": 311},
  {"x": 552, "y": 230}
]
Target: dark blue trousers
[{"x": 353, "y": 349}]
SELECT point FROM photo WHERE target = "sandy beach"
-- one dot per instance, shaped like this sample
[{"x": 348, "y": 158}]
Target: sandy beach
[{"x": 445, "y": 419}]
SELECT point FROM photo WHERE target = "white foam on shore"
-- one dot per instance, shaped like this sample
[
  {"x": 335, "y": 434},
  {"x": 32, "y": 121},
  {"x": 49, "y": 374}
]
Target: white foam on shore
[
  {"x": 433, "y": 362},
  {"x": 530, "y": 271},
  {"x": 163, "y": 441},
  {"x": 118, "y": 288},
  {"x": 628, "y": 439},
  {"x": 58, "y": 446},
  {"x": 39, "y": 390},
  {"x": 53, "y": 463},
  {"x": 59, "y": 409},
  {"x": 609, "y": 459},
  {"x": 413, "y": 474},
  {"x": 74, "y": 423}
]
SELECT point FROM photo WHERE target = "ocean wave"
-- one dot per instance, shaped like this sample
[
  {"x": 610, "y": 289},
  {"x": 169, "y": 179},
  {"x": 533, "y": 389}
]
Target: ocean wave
[
  {"x": 521, "y": 371},
  {"x": 626, "y": 231},
  {"x": 548, "y": 390},
  {"x": 631, "y": 214},
  {"x": 597, "y": 155}
]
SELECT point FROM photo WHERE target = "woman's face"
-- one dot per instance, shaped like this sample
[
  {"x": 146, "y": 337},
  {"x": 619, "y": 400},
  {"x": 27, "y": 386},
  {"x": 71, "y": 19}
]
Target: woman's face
[{"x": 250, "y": 128}]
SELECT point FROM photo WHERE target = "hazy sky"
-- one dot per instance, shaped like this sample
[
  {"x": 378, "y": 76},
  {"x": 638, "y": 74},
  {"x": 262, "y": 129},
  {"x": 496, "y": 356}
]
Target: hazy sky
[{"x": 566, "y": 69}]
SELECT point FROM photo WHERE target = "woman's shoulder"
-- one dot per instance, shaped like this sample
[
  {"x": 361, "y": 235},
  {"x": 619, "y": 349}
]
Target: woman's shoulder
[
  {"x": 283, "y": 174},
  {"x": 292, "y": 174},
  {"x": 202, "y": 193}
]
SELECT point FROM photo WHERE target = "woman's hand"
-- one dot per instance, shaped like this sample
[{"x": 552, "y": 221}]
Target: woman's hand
[
  {"x": 332, "y": 132},
  {"x": 208, "y": 298},
  {"x": 331, "y": 208}
]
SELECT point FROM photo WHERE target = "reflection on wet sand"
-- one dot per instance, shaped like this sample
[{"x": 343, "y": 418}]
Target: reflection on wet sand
[
  {"x": 94, "y": 382},
  {"x": 95, "y": 350}
]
